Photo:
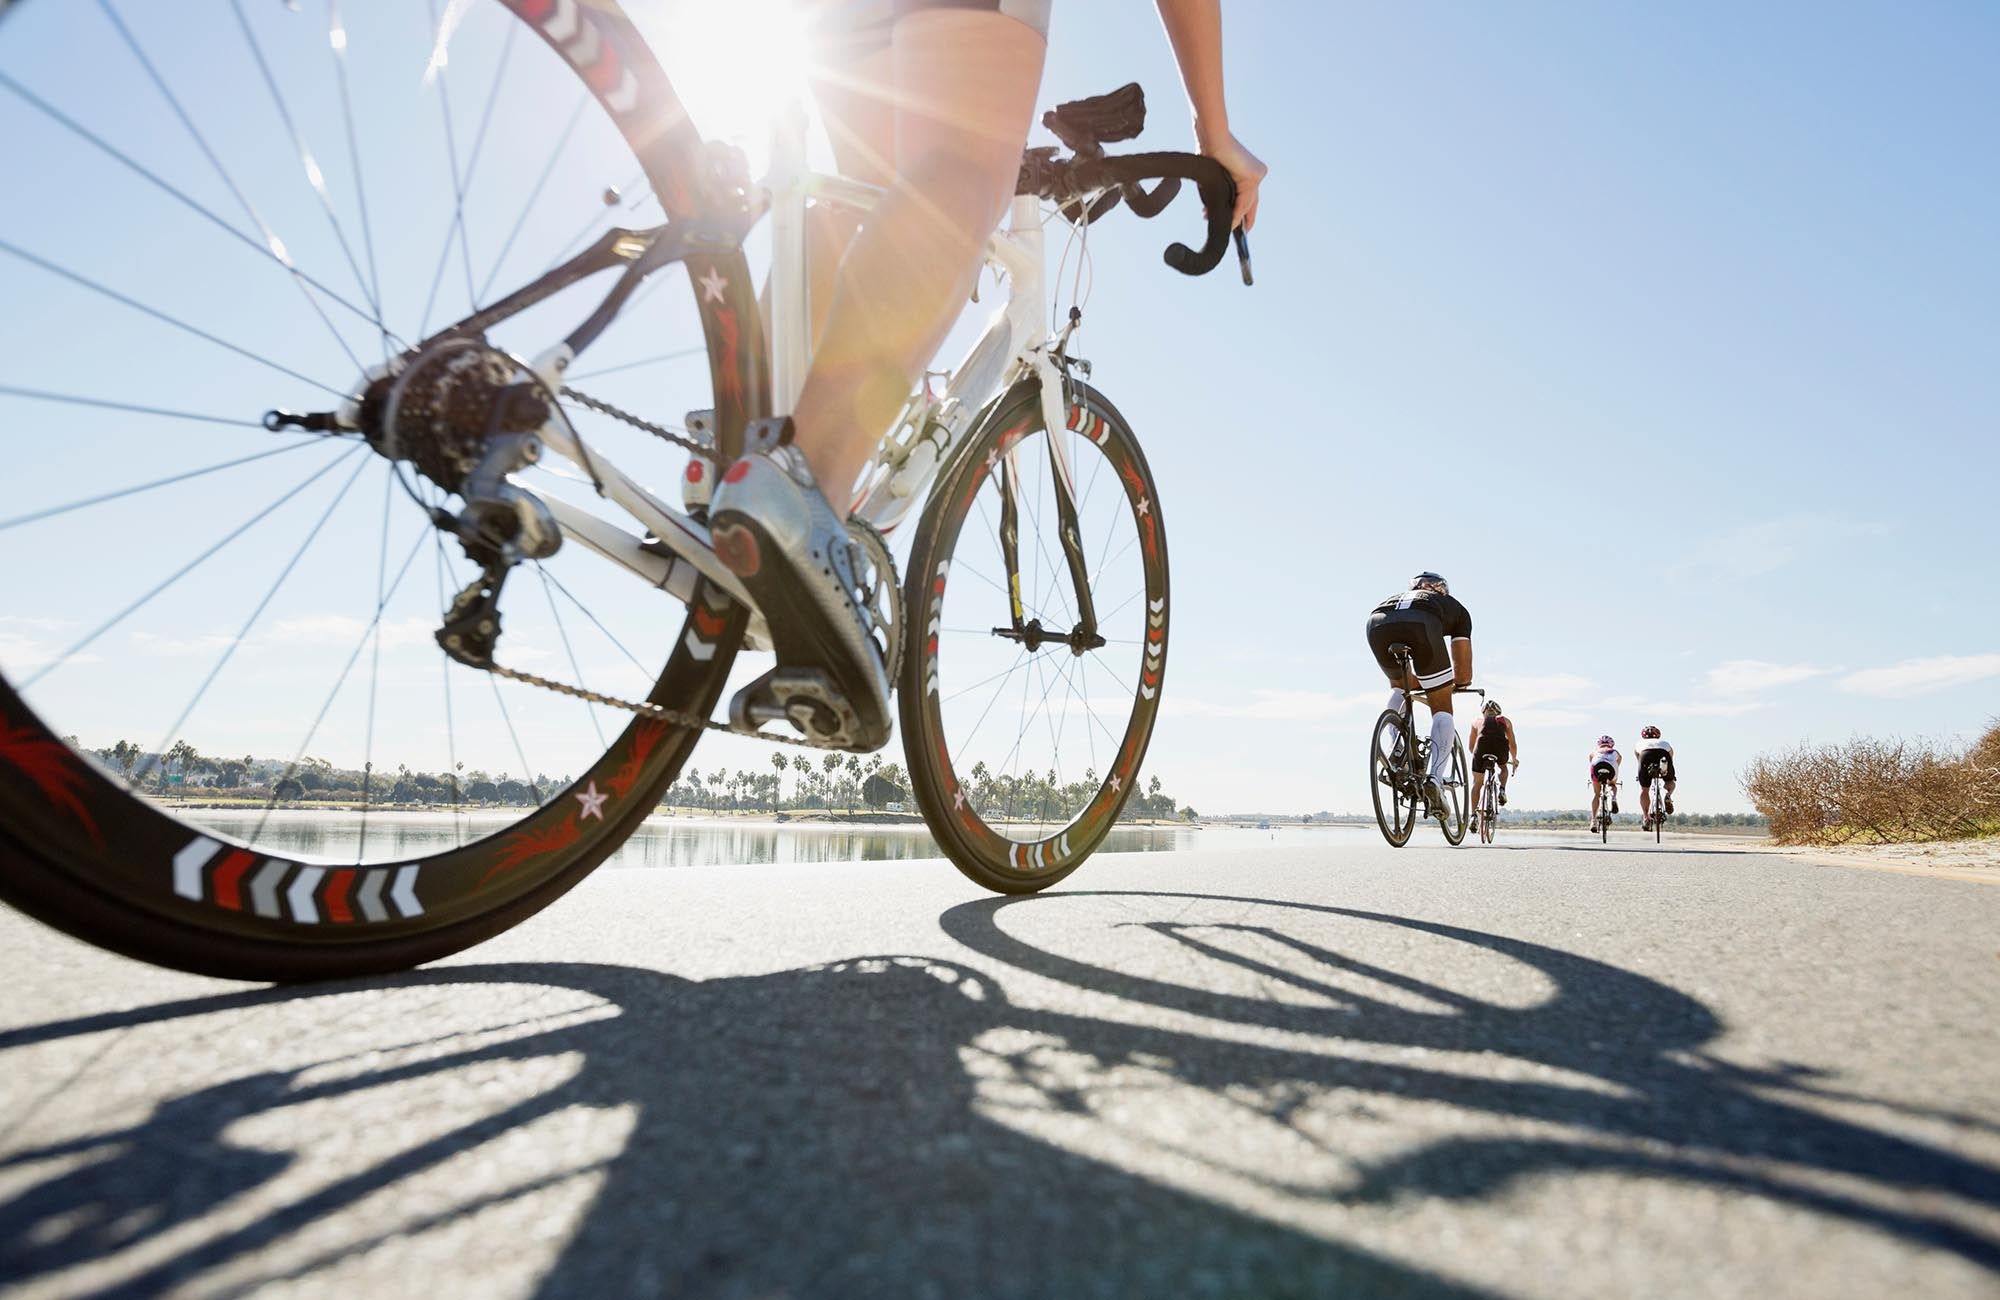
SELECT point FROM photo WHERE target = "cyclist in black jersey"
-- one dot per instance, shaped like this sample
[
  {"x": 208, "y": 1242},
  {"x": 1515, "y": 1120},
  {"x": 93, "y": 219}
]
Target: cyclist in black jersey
[
  {"x": 1493, "y": 748},
  {"x": 1656, "y": 758},
  {"x": 1438, "y": 631}
]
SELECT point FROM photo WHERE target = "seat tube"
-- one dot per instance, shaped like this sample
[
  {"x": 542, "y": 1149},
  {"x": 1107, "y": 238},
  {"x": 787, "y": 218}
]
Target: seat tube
[{"x": 791, "y": 284}]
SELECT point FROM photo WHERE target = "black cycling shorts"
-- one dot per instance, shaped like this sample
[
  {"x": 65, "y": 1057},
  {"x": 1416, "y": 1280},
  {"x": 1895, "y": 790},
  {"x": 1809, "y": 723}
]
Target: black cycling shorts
[
  {"x": 844, "y": 29},
  {"x": 1423, "y": 633},
  {"x": 1603, "y": 772},
  {"x": 1656, "y": 764},
  {"x": 1488, "y": 761}
]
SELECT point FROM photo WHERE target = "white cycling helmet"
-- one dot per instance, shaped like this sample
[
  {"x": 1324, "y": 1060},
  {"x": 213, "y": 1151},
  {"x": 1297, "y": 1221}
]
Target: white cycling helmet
[{"x": 1429, "y": 579}]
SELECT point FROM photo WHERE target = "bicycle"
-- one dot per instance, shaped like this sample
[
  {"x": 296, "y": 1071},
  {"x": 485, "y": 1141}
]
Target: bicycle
[
  {"x": 1607, "y": 788},
  {"x": 1656, "y": 799},
  {"x": 480, "y": 425},
  {"x": 1488, "y": 813},
  {"x": 1401, "y": 770}
]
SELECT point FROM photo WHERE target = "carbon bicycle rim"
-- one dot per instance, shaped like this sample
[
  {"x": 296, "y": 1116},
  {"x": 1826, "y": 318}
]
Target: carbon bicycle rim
[
  {"x": 1034, "y": 659},
  {"x": 221, "y": 211}
]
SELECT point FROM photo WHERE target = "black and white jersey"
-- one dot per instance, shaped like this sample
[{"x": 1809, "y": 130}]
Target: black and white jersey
[{"x": 1451, "y": 616}]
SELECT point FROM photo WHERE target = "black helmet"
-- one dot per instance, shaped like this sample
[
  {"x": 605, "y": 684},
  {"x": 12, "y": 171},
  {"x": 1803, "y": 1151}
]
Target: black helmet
[{"x": 1429, "y": 579}]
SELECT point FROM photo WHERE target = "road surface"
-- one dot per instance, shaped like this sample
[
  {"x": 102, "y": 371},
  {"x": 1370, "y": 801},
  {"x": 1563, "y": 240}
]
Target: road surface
[{"x": 1545, "y": 1068}]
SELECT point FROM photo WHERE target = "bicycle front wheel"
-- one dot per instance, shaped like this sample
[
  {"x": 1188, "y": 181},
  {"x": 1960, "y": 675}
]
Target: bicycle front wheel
[
  {"x": 228, "y": 739},
  {"x": 1036, "y": 640},
  {"x": 1457, "y": 796}
]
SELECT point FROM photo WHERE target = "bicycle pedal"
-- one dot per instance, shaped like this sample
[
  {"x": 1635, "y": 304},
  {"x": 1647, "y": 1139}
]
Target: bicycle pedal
[{"x": 804, "y": 697}]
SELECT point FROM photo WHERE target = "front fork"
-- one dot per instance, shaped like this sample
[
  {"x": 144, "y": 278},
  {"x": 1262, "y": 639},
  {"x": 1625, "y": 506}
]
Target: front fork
[{"x": 1029, "y": 631}]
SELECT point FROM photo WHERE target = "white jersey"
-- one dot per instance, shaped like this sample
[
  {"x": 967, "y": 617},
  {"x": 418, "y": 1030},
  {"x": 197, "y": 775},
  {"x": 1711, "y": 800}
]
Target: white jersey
[
  {"x": 1610, "y": 756},
  {"x": 1660, "y": 746}
]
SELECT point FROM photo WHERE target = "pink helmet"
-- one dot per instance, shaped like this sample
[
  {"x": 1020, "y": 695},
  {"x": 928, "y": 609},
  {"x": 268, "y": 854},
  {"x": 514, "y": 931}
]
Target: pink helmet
[
  {"x": 1606, "y": 742},
  {"x": 1649, "y": 733}
]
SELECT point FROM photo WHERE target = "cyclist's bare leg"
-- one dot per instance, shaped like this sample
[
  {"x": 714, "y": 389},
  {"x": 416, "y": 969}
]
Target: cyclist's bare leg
[
  {"x": 857, "y": 102},
  {"x": 1596, "y": 800},
  {"x": 966, "y": 82}
]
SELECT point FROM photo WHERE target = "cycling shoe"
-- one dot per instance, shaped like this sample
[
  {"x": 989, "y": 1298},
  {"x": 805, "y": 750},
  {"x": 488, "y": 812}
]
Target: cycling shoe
[{"x": 778, "y": 533}]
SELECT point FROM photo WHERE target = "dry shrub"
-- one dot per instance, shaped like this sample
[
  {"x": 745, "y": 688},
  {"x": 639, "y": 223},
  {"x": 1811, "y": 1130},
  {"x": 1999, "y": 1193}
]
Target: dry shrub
[{"x": 1872, "y": 791}]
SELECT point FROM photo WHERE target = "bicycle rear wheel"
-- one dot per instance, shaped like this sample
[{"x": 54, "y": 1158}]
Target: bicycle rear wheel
[
  {"x": 280, "y": 206},
  {"x": 1035, "y": 641},
  {"x": 1392, "y": 779}
]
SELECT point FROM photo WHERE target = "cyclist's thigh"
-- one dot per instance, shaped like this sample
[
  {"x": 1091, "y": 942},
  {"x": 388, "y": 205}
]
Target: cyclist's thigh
[
  {"x": 853, "y": 80},
  {"x": 966, "y": 82}
]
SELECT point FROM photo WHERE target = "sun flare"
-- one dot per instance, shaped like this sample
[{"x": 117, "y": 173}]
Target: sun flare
[{"x": 735, "y": 63}]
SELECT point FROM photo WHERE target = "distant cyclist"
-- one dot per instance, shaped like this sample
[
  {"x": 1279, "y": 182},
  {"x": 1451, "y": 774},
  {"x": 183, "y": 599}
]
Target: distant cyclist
[
  {"x": 1493, "y": 748},
  {"x": 1656, "y": 758},
  {"x": 1605, "y": 760},
  {"x": 1438, "y": 631}
]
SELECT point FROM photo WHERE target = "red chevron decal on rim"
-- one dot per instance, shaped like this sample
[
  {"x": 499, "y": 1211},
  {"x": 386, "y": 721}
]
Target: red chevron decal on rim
[{"x": 336, "y": 895}]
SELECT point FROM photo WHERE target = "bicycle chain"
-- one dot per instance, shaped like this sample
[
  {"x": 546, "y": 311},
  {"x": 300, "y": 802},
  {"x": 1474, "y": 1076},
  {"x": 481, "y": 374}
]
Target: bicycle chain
[{"x": 645, "y": 708}]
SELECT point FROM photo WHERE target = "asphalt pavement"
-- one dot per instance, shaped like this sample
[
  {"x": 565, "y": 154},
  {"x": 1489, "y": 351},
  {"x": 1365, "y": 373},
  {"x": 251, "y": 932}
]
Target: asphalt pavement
[{"x": 1543, "y": 1068}]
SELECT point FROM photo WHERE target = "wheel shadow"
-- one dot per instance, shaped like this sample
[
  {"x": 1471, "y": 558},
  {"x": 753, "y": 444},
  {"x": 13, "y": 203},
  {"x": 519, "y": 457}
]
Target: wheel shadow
[
  {"x": 809, "y": 1132},
  {"x": 1671, "y": 1110},
  {"x": 869, "y": 1126}
]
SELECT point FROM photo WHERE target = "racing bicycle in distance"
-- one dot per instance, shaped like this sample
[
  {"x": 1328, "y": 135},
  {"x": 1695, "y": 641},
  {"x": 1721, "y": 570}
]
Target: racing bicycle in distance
[
  {"x": 1607, "y": 795},
  {"x": 1656, "y": 817},
  {"x": 444, "y": 340},
  {"x": 1487, "y": 815},
  {"x": 1399, "y": 765}
]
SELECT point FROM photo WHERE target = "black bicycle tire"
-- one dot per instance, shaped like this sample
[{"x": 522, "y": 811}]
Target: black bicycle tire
[
  {"x": 82, "y": 854},
  {"x": 985, "y": 857},
  {"x": 1400, "y": 723},
  {"x": 1460, "y": 773}
]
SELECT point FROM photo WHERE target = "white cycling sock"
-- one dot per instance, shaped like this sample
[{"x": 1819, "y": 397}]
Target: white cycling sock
[
  {"x": 1442, "y": 735},
  {"x": 1395, "y": 704}
]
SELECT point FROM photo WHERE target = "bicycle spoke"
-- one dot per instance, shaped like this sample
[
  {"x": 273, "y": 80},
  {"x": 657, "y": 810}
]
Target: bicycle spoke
[
  {"x": 436, "y": 74},
  {"x": 229, "y": 651},
  {"x": 585, "y": 611},
  {"x": 315, "y": 178},
  {"x": 272, "y": 248},
  {"x": 375, "y": 668},
  {"x": 135, "y": 490},
  {"x": 88, "y": 283},
  {"x": 336, "y": 40},
  {"x": 575, "y": 668},
  {"x": 450, "y": 725},
  {"x": 125, "y": 613},
  {"x": 354, "y": 656},
  {"x": 527, "y": 772},
  {"x": 534, "y": 196},
  {"x": 634, "y": 365},
  {"x": 73, "y": 399}
]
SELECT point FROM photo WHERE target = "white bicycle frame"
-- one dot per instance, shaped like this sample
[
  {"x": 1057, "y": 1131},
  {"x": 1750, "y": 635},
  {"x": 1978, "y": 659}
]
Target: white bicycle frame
[{"x": 926, "y": 437}]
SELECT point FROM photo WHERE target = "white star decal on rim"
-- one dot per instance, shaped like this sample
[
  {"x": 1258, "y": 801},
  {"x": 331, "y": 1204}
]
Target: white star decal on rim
[
  {"x": 958, "y": 799},
  {"x": 593, "y": 802},
  {"x": 1143, "y": 506},
  {"x": 992, "y": 459},
  {"x": 712, "y": 286},
  {"x": 1117, "y": 783}
]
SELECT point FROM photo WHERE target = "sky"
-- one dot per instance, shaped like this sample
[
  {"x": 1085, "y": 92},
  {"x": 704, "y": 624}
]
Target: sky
[{"x": 1667, "y": 333}]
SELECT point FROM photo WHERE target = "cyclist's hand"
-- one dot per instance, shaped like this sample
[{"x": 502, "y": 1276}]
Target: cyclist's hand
[{"x": 1245, "y": 168}]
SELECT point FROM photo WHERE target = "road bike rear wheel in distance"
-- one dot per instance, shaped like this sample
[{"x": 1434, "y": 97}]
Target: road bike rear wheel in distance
[
  {"x": 1392, "y": 779},
  {"x": 1035, "y": 640},
  {"x": 211, "y": 214}
]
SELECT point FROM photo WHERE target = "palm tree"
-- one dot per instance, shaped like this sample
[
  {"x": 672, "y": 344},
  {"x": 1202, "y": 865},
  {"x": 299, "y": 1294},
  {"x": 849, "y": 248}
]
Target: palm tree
[{"x": 780, "y": 762}]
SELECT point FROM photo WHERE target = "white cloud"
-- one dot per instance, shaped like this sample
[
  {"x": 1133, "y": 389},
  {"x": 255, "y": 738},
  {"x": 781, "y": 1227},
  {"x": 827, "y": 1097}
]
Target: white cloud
[
  {"x": 344, "y": 630},
  {"x": 151, "y": 643},
  {"x": 1921, "y": 676},
  {"x": 1749, "y": 676}
]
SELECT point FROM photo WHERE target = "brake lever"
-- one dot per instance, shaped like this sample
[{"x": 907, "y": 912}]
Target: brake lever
[{"x": 1243, "y": 255}]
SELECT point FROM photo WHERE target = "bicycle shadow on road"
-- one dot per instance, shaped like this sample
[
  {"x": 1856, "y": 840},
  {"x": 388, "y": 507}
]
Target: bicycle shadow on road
[
  {"x": 809, "y": 1132},
  {"x": 1647, "y": 1098},
  {"x": 897, "y": 1124}
]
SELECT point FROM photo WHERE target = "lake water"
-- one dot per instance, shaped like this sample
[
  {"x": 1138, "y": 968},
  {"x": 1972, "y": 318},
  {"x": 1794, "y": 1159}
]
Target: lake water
[{"x": 683, "y": 841}]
